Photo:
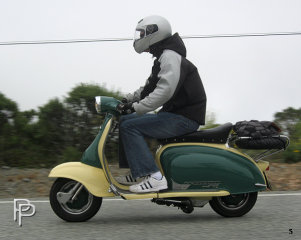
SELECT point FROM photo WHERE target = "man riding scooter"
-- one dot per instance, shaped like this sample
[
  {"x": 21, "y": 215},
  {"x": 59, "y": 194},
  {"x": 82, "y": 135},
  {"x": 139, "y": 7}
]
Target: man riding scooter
[
  {"x": 199, "y": 168},
  {"x": 175, "y": 85}
]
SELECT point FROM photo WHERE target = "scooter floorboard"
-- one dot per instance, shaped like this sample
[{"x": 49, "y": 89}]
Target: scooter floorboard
[{"x": 132, "y": 196}]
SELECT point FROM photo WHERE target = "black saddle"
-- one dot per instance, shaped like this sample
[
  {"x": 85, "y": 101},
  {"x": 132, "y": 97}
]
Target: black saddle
[{"x": 213, "y": 135}]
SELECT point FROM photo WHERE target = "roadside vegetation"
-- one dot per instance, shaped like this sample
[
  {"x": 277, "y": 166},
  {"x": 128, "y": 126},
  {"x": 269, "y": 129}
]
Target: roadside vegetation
[{"x": 61, "y": 130}]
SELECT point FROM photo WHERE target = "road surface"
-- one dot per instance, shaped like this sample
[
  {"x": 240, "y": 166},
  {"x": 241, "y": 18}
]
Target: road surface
[{"x": 275, "y": 216}]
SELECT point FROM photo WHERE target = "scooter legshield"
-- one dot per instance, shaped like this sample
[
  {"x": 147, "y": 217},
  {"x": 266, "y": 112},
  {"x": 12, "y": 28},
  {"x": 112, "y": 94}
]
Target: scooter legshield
[{"x": 209, "y": 167}]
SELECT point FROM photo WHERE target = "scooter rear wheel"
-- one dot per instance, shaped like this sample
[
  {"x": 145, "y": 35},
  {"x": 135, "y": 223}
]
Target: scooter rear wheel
[
  {"x": 235, "y": 205},
  {"x": 82, "y": 208}
]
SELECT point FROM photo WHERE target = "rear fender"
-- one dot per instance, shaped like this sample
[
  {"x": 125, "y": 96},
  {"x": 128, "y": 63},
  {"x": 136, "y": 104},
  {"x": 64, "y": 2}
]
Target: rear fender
[
  {"x": 91, "y": 177},
  {"x": 263, "y": 165}
]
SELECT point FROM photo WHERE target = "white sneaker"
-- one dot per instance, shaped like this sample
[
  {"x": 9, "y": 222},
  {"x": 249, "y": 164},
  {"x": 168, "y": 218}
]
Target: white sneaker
[
  {"x": 127, "y": 180},
  {"x": 149, "y": 184}
]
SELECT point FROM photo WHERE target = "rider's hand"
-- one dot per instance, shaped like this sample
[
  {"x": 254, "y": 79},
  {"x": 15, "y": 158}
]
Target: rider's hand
[
  {"x": 125, "y": 108},
  {"x": 124, "y": 100}
]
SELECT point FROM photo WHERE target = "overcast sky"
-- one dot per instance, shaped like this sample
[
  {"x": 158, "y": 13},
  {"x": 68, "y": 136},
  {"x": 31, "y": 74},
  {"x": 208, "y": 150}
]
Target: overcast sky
[{"x": 245, "y": 78}]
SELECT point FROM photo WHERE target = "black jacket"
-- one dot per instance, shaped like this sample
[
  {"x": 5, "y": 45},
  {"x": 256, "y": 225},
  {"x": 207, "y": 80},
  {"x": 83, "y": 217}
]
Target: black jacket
[{"x": 174, "y": 83}]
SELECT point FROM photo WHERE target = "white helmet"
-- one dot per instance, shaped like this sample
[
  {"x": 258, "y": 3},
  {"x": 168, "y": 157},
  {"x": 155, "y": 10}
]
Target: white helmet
[{"x": 149, "y": 31}]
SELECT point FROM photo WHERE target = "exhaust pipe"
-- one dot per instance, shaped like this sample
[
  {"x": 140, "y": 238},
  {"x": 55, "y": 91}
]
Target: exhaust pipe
[{"x": 185, "y": 204}]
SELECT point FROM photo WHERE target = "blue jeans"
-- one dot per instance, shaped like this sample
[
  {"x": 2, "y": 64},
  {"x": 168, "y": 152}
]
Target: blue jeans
[{"x": 133, "y": 129}]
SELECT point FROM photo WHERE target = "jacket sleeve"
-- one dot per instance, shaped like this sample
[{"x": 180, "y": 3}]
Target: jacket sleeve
[{"x": 169, "y": 75}]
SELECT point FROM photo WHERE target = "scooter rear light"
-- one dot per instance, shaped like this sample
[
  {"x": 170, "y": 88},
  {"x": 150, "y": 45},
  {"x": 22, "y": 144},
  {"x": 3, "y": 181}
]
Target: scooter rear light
[{"x": 268, "y": 168}]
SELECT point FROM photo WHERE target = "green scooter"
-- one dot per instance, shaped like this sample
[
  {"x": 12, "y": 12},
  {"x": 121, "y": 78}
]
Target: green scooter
[{"x": 201, "y": 167}]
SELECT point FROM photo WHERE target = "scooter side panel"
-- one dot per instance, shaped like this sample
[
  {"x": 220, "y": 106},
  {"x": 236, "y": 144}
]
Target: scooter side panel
[
  {"x": 206, "y": 168},
  {"x": 91, "y": 177}
]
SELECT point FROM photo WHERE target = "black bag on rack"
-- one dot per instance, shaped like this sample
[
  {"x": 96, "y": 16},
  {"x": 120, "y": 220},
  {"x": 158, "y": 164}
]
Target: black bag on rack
[
  {"x": 258, "y": 135},
  {"x": 256, "y": 129}
]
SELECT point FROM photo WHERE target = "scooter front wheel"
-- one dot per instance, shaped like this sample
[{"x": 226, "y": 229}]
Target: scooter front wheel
[
  {"x": 80, "y": 206},
  {"x": 235, "y": 205}
]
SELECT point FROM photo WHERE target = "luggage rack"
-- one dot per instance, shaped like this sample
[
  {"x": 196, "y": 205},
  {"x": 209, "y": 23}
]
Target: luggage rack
[{"x": 267, "y": 145}]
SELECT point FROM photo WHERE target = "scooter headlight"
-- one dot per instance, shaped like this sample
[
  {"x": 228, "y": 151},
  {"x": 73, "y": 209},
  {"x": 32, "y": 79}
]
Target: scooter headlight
[
  {"x": 104, "y": 104},
  {"x": 98, "y": 104}
]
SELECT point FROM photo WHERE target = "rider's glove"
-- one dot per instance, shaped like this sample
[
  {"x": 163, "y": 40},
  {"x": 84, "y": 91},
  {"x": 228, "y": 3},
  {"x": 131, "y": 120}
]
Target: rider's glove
[
  {"x": 125, "y": 108},
  {"x": 124, "y": 100}
]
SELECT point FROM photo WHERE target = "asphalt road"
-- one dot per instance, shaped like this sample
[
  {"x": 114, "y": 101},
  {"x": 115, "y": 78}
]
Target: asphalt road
[{"x": 275, "y": 216}]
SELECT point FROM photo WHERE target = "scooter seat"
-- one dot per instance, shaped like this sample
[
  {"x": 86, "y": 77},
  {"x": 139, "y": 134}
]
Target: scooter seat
[{"x": 213, "y": 135}]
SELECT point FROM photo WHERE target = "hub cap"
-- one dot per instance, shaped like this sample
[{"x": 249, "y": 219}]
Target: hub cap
[
  {"x": 234, "y": 202},
  {"x": 81, "y": 203}
]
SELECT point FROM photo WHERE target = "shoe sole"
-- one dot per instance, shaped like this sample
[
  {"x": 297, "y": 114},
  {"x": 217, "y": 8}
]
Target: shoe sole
[
  {"x": 128, "y": 184},
  {"x": 163, "y": 188}
]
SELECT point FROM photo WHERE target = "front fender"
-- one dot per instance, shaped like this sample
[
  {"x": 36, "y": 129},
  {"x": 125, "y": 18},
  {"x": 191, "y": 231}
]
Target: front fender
[{"x": 91, "y": 177}]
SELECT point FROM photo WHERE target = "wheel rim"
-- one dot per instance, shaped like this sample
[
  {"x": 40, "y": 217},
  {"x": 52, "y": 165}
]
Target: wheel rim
[
  {"x": 81, "y": 203},
  {"x": 235, "y": 201}
]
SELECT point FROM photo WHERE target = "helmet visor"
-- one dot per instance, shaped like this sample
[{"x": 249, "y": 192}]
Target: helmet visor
[
  {"x": 139, "y": 34},
  {"x": 145, "y": 31}
]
